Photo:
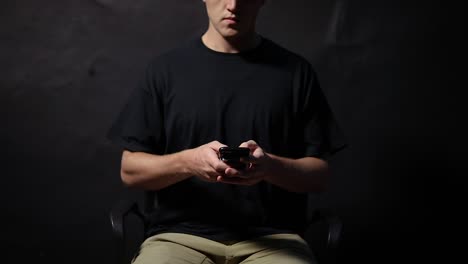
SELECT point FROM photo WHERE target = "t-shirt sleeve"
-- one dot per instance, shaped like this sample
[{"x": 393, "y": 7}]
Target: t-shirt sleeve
[
  {"x": 323, "y": 136},
  {"x": 139, "y": 125}
]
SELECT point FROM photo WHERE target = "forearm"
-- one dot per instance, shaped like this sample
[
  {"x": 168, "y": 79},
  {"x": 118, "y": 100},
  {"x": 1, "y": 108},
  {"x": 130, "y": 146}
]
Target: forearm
[
  {"x": 154, "y": 172},
  {"x": 307, "y": 174}
]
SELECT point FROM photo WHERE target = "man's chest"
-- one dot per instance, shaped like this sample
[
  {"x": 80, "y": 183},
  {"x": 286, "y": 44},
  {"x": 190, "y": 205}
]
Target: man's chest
[{"x": 243, "y": 96}]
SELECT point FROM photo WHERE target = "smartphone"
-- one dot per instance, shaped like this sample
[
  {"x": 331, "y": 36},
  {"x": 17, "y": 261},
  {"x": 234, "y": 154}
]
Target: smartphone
[{"x": 232, "y": 156}]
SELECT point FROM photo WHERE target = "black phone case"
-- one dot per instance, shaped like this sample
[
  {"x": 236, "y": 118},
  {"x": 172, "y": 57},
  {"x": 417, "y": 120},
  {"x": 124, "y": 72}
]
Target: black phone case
[{"x": 232, "y": 156}]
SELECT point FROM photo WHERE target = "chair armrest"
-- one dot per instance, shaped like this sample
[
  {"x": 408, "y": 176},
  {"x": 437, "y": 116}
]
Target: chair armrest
[
  {"x": 118, "y": 213},
  {"x": 323, "y": 233},
  {"x": 335, "y": 226}
]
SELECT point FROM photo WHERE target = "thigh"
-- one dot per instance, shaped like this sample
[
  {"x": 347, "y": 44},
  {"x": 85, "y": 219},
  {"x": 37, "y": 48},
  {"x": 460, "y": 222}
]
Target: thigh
[
  {"x": 165, "y": 252},
  {"x": 280, "y": 256},
  {"x": 276, "y": 248}
]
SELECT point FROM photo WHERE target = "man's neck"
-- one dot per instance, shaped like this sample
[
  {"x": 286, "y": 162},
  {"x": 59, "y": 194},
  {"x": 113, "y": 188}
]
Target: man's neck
[{"x": 213, "y": 40}]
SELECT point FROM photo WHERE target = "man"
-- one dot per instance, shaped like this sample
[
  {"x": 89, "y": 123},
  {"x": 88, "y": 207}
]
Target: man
[{"x": 229, "y": 87}]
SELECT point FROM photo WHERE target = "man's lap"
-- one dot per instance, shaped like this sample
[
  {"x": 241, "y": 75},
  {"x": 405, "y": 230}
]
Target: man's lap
[{"x": 188, "y": 249}]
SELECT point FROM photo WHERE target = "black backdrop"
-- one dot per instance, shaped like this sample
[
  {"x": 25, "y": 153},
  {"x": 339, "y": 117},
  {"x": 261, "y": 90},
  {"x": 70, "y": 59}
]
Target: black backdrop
[{"x": 67, "y": 67}]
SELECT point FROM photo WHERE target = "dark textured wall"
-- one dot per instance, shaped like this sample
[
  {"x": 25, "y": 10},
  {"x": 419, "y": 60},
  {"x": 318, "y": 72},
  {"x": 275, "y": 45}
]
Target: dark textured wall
[{"x": 67, "y": 67}]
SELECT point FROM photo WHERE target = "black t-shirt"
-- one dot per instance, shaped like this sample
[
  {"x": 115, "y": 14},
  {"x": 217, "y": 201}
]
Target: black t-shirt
[{"x": 193, "y": 95}]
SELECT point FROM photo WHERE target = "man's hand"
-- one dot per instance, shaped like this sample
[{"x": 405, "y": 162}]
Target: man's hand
[
  {"x": 205, "y": 163},
  {"x": 259, "y": 166}
]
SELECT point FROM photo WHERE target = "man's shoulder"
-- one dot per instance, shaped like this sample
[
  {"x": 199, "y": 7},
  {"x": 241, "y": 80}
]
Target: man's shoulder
[
  {"x": 174, "y": 54},
  {"x": 284, "y": 53}
]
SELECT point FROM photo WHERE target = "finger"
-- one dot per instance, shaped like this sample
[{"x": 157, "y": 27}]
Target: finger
[
  {"x": 257, "y": 155},
  {"x": 220, "y": 166},
  {"x": 236, "y": 180},
  {"x": 216, "y": 145},
  {"x": 244, "y": 174},
  {"x": 208, "y": 178},
  {"x": 244, "y": 145},
  {"x": 231, "y": 172},
  {"x": 217, "y": 167},
  {"x": 251, "y": 160},
  {"x": 251, "y": 144}
]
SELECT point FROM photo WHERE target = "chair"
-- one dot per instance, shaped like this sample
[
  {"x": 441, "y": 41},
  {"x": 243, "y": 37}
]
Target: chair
[{"x": 323, "y": 232}]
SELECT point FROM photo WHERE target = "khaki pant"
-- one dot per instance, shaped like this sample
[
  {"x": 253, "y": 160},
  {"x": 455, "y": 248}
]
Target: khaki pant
[{"x": 177, "y": 248}]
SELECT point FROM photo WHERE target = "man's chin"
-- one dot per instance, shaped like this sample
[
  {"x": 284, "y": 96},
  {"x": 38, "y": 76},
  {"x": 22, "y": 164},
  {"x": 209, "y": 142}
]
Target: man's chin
[{"x": 231, "y": 32}]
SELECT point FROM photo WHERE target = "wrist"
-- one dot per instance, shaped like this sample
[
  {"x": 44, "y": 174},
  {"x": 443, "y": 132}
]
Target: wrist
[
  {"x": 276, "y": 166},
  {"x": 186, "y": 160},
  {"x": 272, "y": 166}
]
